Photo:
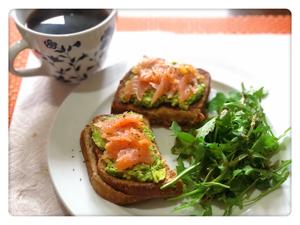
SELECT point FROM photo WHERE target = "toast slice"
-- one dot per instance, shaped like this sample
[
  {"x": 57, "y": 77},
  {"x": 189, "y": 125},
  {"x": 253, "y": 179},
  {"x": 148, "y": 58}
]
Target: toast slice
[
  {"x": 118, "y": 190},
  {"x": 164, "y": 115}
]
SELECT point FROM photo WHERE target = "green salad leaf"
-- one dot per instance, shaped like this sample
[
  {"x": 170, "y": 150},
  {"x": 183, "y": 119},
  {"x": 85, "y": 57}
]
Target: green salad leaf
[{"x": 230, "y": 161}]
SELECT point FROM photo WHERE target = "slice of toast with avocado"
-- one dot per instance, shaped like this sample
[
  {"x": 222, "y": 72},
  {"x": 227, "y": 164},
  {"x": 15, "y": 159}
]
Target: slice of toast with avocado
[
  {"x": 164, "y": 92},
  {"x": 123, "y": 161}
]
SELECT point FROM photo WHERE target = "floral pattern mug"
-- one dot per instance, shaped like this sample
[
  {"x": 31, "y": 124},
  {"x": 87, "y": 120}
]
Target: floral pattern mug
[{"x": 70, "y": 58}]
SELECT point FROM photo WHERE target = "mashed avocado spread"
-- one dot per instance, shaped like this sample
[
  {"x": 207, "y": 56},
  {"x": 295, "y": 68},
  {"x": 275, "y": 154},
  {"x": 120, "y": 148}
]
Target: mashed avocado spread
[{"x": 140, "y": 172}]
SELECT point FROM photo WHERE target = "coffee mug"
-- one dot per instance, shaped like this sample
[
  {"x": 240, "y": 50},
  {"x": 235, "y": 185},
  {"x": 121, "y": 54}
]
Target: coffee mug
[{"x": 69, "y": 57}]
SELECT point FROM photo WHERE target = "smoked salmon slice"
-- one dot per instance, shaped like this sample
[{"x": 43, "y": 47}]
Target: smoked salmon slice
[
  {"x": 185, "y": 89},
  {"x": 162, "y": 88},
  {"x": 111, "y": 127},
  {"x": 129, "y": 157},
  {"x": 163, "y": 78},
  {"x": 126, "y": 142}
]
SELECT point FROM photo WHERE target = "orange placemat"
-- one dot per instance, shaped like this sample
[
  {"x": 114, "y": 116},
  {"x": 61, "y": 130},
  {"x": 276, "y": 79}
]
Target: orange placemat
[{"x": 230, "y": 25}]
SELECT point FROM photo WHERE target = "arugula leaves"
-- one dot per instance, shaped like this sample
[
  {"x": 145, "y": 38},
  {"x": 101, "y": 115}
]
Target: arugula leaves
[{"x": 230, "y": 156}]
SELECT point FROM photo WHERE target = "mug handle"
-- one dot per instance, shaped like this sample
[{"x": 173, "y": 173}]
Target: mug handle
[{"x": 14, "y": 50}]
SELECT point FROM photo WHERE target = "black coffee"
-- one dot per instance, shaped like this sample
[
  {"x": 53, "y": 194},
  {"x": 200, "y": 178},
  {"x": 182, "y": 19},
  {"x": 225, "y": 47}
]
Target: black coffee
[{"x": 65, "y": 21}]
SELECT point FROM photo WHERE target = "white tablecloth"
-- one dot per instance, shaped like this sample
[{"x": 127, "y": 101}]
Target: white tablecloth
[{"x": 264, "y": 59}]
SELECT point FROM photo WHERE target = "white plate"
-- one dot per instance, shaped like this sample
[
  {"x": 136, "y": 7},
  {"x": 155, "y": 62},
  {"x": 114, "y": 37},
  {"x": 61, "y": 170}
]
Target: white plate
[{"x": 68, "y": 171}]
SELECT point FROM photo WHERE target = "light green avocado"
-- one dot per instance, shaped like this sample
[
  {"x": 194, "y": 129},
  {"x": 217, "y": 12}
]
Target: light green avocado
[
  {"x": 148, "y": 132},
  {"x": 96, "y": 137},
  {"x": 173, "y": 100},
  {"x": 195, "y": 97},
  {"x": 141, "y": 172}
]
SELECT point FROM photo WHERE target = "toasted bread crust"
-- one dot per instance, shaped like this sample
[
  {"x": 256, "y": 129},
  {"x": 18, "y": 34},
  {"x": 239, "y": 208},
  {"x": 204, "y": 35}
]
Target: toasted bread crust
[
  {"x": 165, "y": 115},
  {"x": 138, "y": 188},
  {"x": 119, "y": 191},
  {"x": 102, "y": 188}
]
